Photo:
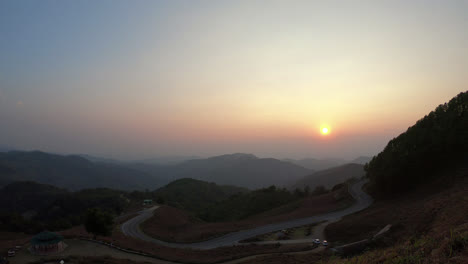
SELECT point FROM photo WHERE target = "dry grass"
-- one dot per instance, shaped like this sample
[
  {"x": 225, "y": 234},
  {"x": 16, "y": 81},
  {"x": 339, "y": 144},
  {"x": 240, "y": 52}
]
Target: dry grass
[
  {"x": 428, "y": 209},
  {"x": 430, "y": 226}
]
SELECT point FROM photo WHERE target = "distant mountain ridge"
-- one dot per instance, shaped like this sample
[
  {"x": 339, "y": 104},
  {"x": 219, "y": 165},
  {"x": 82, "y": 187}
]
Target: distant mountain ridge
[
  {"x": 4, "y": 148},
  {"x": 330, "y": 177},
  {"x": 75, "y": 172},
  {"x": 163, "y": 160},
  {"x": 361, "y": 160},
  {"x": 166, "y": 160},
  {"x": 244, "y": 170},
  {"x": 323, "y": 164},
  {"x": 317, "y": 164},
  {"x": 71, "y": 172}
]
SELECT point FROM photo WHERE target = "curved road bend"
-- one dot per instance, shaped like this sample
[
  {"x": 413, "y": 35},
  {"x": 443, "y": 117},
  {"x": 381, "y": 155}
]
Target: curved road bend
[{"x": 131, "y": 227}]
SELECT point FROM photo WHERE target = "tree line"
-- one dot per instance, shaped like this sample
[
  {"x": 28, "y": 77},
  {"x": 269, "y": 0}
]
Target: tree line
[{"x": 436, "y": 142}]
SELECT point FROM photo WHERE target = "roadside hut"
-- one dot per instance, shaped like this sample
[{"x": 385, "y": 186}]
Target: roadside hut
[
  {"x": 147, "y": 201},
  {"x": 46, "y": 243}
]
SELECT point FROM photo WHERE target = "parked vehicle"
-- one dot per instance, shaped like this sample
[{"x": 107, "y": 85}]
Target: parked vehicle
[
  {"x": 11, "y": 253},
  {"x": 325, "y": 243},
  {"x": 317, "y": 241}
]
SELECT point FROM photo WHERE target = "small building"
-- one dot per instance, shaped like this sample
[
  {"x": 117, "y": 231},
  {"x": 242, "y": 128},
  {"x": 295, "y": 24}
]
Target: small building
[
  {"x": 46, "y": 243},
  {"x": 147, "y": 201}
]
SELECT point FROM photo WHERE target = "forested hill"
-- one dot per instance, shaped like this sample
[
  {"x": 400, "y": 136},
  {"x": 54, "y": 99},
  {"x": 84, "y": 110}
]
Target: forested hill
[
  {"x": 32, "y": 207},
  {"x": 194, "y": 195},
  {"x": 214, "y": 203},
  {"x": 71, "y": 172},
  {"x": 437, "y": 142}
]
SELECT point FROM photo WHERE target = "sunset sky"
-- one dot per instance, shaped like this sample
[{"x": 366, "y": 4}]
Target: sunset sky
[{"x": 140, "y": 79}]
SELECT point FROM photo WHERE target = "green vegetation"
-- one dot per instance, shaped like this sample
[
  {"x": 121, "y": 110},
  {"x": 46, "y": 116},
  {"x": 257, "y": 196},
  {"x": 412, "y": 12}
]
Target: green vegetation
[
  {"x": 213, "y": 203},
  {"x": 437, "y": 141},
  {"x": 243, "y": 205},
  {"x": 31, "y": 207},
  {"x": 98, "y": 222},
  {"x": 457, "y": 243},
  {"x": 194, "y": 195}
]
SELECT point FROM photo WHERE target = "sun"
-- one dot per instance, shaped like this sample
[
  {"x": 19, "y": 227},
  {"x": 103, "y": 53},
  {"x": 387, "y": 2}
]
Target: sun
[{"x": 325, "y": 130}]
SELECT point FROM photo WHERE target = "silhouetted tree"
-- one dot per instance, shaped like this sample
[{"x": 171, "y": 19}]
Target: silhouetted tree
[
  {"x": 98, "y": 222},
  {"x": 160, "y": 200},
  {"x": 319, "y": 190},
  {"x": 337, "y": 186},
  {"x": 298, "y": 192}
]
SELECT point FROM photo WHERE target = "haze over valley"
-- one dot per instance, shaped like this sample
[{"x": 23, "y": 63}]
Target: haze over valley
[{"x": 279, "y": 132}]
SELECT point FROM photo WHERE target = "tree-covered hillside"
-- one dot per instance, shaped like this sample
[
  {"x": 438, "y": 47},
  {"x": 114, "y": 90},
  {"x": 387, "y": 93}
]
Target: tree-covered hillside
[
  {"x": 243, "y": 205},
  {"x": 33, "y": 207},
  {"x": 214, "y": 203},
  {"x": 436, "y": 142},
  {"x": 195, "y": 195}
]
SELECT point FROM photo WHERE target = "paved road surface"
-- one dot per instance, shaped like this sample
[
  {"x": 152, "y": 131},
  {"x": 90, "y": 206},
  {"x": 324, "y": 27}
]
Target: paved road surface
[{"x": 131, "y": 227}]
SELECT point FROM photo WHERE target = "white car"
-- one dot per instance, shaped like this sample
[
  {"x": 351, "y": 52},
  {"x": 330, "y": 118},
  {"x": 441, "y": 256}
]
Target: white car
[
  {"x": 316, "y": 241},
  {"x": 11, "y": 253},
  {"x": 325, "y": 243}
]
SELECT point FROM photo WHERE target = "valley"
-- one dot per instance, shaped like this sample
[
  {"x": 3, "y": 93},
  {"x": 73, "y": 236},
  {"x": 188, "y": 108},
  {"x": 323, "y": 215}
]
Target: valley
[{"x": 194, "y": 221}]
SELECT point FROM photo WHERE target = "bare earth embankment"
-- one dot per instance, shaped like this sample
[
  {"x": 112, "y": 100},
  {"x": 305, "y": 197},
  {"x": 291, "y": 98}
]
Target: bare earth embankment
[
  {"x": 431, "y": 208},
  {"x": 429, "y": 225}
]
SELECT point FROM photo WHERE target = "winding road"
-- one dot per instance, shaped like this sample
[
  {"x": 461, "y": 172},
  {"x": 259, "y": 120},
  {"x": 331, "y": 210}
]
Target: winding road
[{"x": 131, "y": 227}]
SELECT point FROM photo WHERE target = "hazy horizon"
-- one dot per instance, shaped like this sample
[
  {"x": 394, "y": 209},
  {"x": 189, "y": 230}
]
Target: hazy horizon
[
  {"x": 172, "y": 158},
  {"x": 139, "y": 80}
]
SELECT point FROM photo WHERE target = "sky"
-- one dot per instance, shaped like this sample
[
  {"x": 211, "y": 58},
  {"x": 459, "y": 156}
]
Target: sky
[{"x": 143, "y": 79}]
